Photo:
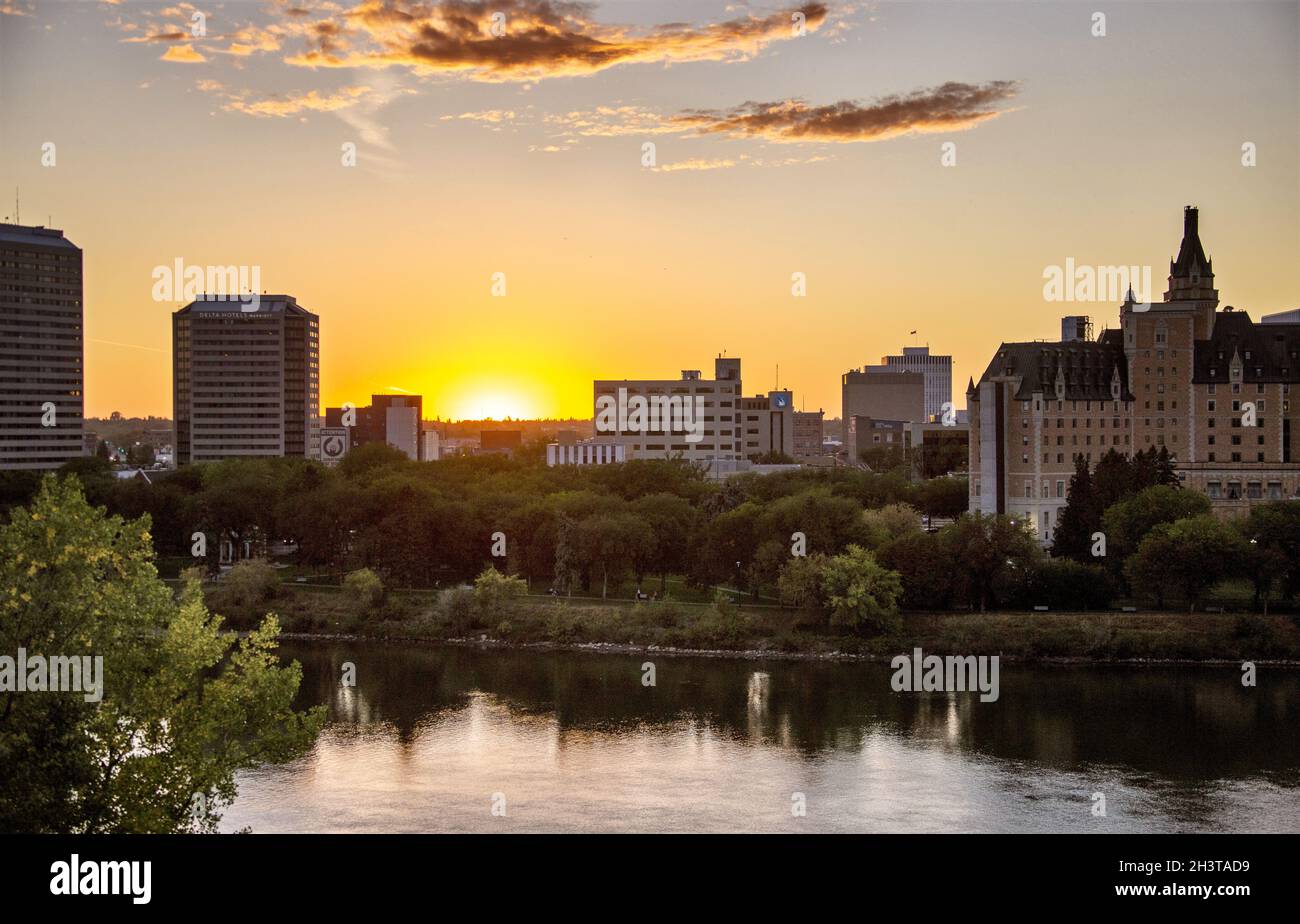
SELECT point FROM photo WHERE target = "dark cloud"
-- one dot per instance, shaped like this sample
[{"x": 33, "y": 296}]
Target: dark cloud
[
  {"x": 537, "y": 38},
  {"x": 950, "y": 107}
]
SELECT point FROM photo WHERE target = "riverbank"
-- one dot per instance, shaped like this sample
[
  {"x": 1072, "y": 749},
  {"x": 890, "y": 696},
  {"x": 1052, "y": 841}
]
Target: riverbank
[{"x": 774, "y": 632}]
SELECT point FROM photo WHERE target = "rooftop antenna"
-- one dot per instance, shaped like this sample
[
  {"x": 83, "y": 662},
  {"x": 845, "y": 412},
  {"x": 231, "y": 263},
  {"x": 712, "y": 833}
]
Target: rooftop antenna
[
  {"x": 778, "y": 377},
  {"x": 18, "y": 215}
]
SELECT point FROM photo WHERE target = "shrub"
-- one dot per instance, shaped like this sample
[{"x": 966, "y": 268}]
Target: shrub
[
  {"x": 492, "y": 589},
  {"x": 459, "y": 610},
  {"x": 364, "y": 587},
  {"x": 250, "y": 583}
]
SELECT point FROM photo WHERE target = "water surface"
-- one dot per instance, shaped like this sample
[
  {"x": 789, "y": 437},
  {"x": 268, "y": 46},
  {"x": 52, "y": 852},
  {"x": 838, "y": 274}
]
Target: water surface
[{"x": 432, "y": 738}]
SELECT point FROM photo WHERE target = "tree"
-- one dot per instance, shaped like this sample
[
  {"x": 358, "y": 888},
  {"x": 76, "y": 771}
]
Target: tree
[
  {"x": 1272, "y": 534},
  {"x": 861, "y": 594},
  {"x": 801, "y": 586},
  {"x": 987, "y": 552},
  {"x": 943, "y": 497},
  {"x": 611, "y": 543},
  {"x": 183, "y": 707},
  {"x": 671, "y": 519},
  {"x": 1127, "y": 522},
  {"x": 926, "y": 568},
  {"x": 890, "y": 523},
  {"x": 1072, "y": 537},
  {"x": 1188, "y": 556}
]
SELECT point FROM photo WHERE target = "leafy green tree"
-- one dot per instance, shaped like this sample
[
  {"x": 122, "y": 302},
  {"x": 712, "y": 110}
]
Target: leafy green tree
[
  {"x": 671, "y": 519},
  {"x": 184, "y": 705},
  {"x": 1188, "y": 556},
  {"x": 1272, "y": 534},
  {"x": 802, "y": 587},
  {"x": 987, "y": 552},
  {"x": 926, "y": 568},
  {"x": 1127, "y": 522},
  {"x": 943, "y": 497},
  {"x": 890, "y": 523},
  {"x": 861, "y": 594},
  {"x": 611, "y": 543}
]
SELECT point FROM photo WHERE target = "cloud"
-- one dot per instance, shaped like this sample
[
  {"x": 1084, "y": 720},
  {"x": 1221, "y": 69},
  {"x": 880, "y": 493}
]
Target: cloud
[
  {"x": 950, "y": 107},
  {"x": 696, "y": 163},
  {"x": 174, "y": 36},
  {"x": 281, "y": 105},
  {"x": 183, "y": 54},
  {"x": 537, "y": 38}
]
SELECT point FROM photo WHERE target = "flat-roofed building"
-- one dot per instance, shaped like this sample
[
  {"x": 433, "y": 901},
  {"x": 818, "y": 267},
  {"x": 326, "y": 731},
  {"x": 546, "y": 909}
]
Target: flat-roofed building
[
  {"x": 767, "y": 425},
  {"x": 711, "y": 433},
  {"x": 882, "y": 394},
  {"x": 936, "y": 369},
  {"x": 41, "y": 348},
  {"x": 246, "y": 382},
  {"x": 809, "y": 432}
]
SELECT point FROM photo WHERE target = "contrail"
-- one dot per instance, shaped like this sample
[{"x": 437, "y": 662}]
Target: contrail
[{"x": 134, "y": 346}]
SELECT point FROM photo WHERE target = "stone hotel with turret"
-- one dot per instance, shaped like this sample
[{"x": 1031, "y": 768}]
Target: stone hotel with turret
[{"x": 1212, "y": 386}]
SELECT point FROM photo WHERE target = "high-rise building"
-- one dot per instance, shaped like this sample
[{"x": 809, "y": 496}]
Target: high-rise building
[
  {"x": 41, "y": 348},
  {"x": 246, "y": 382},
  {"x": 881, "y": 394},
  {"x": 1211, "y": 387},
  {"x": 936, "y": 369}
]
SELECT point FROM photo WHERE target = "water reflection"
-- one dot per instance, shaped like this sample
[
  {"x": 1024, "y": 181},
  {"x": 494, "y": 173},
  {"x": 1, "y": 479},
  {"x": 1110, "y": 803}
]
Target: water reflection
[{"x": 576, "y": 742}]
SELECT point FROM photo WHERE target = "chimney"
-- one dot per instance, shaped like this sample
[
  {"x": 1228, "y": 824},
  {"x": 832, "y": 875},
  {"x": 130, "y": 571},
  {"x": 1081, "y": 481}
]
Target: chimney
[{"x": 1189, "y": 221}]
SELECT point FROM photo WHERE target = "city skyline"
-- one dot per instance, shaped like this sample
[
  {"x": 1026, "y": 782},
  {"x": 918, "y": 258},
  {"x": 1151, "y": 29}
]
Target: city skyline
[{"x": 456, "y": 180}]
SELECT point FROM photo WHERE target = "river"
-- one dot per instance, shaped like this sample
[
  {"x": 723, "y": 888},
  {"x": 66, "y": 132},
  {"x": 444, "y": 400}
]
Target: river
[{"x": 452, "y": 739}]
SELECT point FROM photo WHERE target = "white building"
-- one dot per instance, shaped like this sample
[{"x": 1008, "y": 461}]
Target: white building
[{"x": 587, "y": 452}]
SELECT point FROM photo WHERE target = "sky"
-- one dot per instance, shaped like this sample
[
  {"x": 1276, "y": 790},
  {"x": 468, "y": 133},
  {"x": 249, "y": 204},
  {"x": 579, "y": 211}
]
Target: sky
[{"x": 921, "y": 165}]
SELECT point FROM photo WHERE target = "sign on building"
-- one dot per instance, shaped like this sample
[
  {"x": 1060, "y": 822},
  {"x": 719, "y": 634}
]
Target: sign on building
[{"x": 333, "y": 444}]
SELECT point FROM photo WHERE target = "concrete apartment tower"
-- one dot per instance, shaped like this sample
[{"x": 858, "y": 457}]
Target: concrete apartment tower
[
  {"x": 245, "y": 382},
  {"x": 41, "y": 356}
]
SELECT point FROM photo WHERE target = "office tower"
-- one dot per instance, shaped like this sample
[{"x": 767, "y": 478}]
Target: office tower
[
  {"x": 41, "y": 348},
  {"x": 246, "y": 382},
  {"x": 936, "y": 369}
]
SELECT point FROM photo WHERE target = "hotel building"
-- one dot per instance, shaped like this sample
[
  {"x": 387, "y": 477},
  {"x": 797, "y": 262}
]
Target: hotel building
[
  {"x": 41, "y": 356},
  {"x": 246, "y": 383},
  {"x": 1211, "y": 386}
]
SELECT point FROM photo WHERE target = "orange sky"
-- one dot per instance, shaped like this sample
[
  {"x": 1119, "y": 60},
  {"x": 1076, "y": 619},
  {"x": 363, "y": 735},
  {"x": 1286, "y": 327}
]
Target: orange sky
[{"x": 485, "y": 154}]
